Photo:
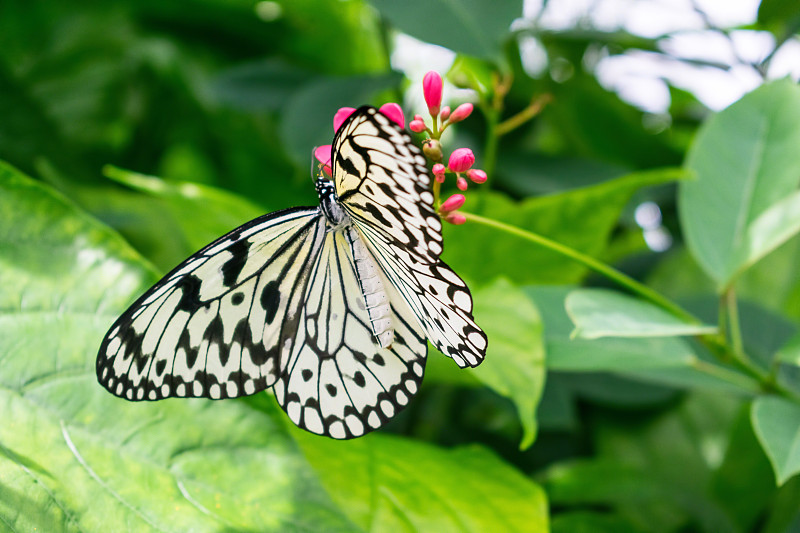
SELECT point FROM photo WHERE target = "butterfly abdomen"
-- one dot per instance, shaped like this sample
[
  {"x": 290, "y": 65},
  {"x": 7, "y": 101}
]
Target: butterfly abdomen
[{"x": 375, "y": 298}]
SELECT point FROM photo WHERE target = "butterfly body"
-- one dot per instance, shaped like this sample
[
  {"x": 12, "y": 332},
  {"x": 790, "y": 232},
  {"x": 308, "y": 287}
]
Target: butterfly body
[{"x": 330, "y": 306}]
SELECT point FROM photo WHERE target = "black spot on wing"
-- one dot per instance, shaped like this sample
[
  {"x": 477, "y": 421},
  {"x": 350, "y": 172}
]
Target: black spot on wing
[
  {"x": 190, "y": 293},
  {"x": 270, "y": 299},
  {"x": 233, "y": 266}
]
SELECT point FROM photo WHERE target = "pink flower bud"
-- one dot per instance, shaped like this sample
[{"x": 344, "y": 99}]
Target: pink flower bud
[
  {"x": 341, "y": 116},
  {"x": 461, "y": 112},
  {"x": 323, "y": 154},
  {"x": 445, "y": 112},
  {"x": 476, "y": 175},
  {"x": 438, "y": 168},
  {"x": 455, "y": 218},
  {"x": 432, "y": 89},
  {"x": 417, "y": 126},
  {"x": 461, "y": 183},
  {"x": 395, "y": 113},
  {"x": 439, "y": 178},
  {"x": 461, "y": 160},
  {"x": 419, "y": 117},
  {"x": 452, "y": 203}
]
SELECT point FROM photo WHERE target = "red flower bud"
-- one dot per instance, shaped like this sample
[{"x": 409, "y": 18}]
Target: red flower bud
[
  {"x": 455, "y": 218},
  {"x": 432, "y": 90},
  {"x": 395, "y": 113},
  {"x": 461, "y": 160},
  {"x": 461, "y": 183},
  {"x": 341, "y": 116},
  {"x": 476, "y": 175},
  {"x": 452, "y": 203},
  {"x": 461, "y": 112},
  {"x": 445, "y": 112},
  {"x": 417, "y": 126},
  {"x": 323, "y": 154}
]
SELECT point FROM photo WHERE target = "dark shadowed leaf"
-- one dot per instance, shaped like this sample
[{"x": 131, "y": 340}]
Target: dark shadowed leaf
[{"x": 472, "y": 27}]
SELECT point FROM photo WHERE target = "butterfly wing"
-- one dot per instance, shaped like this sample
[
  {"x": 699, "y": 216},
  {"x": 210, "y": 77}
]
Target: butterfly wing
[
  {"x": 382, "y": 182},
  {"x": 381, "y": 179},
  {"x": 217, "y": 325},
  {"x": 338, "y": 381}
]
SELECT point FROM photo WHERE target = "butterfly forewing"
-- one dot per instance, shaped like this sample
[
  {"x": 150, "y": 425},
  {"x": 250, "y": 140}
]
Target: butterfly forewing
[
  {"x": 338, "y": 381},
  {"x": 215, "y": 326},
  {"x": 382, "y": 181}
]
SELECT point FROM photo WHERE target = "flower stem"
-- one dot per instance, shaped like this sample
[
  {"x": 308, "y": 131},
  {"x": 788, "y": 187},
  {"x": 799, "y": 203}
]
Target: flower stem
[
  {"x": 533, "y": 109},
  {"x": 590, "y": 262},
  {"x": 733, "y": 323}
]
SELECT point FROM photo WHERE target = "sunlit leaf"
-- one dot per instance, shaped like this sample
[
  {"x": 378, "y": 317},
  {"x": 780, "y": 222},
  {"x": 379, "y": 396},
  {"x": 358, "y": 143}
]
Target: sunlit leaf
[
  {"x": 514, "y": 364},
  {"x": 744, "y": 159},
  {"x": 384, "y": 483},
  {"x": 600, "y": 313}
]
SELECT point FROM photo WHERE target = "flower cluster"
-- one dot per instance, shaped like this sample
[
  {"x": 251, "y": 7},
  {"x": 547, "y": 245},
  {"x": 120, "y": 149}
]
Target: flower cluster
[{"x": 460, "y": 161}]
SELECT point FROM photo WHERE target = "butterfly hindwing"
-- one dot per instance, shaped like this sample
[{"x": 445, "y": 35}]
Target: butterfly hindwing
[
  {"x": 215, "y": 325},
  {"x": 338, "y": 381}
]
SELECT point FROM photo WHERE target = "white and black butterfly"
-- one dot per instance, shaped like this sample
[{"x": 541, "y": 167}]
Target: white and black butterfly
[{"x": 330, "y": 305}]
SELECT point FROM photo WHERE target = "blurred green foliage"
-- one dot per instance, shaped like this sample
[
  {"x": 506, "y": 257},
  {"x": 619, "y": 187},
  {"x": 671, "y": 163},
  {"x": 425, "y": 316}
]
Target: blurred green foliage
[{"x": 133, "y": 133}]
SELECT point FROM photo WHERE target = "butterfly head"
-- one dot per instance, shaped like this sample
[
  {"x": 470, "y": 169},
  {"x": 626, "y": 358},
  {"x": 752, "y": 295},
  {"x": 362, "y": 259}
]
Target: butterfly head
[{"x": 329, "y": 203}]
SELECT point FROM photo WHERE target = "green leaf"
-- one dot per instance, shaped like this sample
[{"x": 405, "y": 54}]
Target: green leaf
[
  {"x": 384, "y": 483},
  {"x": 600, "y": 313},
  {"x": 592, "y": 522},
  {"x": 264, "y": 85},
  {"x": 781, "y": 17},
  {"x": 789, "y": 353},
  {"x": 582, "y": 219},
  {"x": 745, "y": 159},
  {"x": 308, "y": 117},
  {"x": 221, "y": 210},
  {"x": 472, "y": 27},
  {"x": 76, "y": 458},
  {"x": 743, "y": 483},
  {"x": 514, "y": 364},
  {"x": 776, "y": 225},
  {"x": 777, "y": 425},
  {"x": 612, "y": 354}
]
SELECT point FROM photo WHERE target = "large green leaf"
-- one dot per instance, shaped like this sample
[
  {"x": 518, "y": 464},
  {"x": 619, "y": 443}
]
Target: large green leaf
[
  {"x": 514, "y": 365},
  {"x": 582, "y": 219},
  {"x": 384, "y": 483},
  {"x": 472, "y": 27},
  {"x": 75, "y": 458},
  {"x": 81, "y": 459},
  {"x": 606, "y": 354},
  {"x": 745, "y": 159},
  {"x": 202, "y": 213},
  {"x": 776, "y": 422},
  {"x": 600, "y": 313}
]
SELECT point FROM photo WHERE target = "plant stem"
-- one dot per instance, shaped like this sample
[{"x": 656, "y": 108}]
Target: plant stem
[
  {"x": 733, "y": 321},
  {"x": 590, "y": 262},
  {"x": 735, "y": 378},
  {"x": 533, "y": 109}
]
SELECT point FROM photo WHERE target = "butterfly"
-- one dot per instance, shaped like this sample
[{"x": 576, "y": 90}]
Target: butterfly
[{"x": 331, "y": 306}]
